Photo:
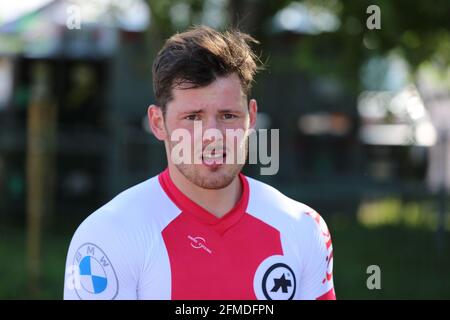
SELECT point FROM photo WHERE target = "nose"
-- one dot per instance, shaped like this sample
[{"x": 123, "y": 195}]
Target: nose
[
  {"x": 210, "y": 123},
  {"x": 212, "y": 131}
]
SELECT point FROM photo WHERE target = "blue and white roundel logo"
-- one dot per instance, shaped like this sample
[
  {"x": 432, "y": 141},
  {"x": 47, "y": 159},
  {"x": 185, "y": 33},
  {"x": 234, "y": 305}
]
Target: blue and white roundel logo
[
  {"x": 92, "y": 275},
  {"x": 97, "y": 278}
]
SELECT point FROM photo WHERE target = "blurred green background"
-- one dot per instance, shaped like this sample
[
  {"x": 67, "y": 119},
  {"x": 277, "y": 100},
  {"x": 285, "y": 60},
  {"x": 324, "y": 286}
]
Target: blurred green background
[{"x": 361, "y": 95}]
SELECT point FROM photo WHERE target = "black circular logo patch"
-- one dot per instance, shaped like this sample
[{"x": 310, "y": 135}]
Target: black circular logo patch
[{"x": 279, "y": 282}]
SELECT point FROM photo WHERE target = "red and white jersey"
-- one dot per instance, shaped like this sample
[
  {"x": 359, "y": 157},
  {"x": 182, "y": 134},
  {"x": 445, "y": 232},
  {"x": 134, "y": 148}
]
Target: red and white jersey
[{"x": 152, "y": 242}]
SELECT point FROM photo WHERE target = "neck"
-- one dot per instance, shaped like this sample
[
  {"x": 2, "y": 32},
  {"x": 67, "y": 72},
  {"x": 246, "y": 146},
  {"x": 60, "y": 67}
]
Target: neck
[{"x": 216, "y": 201}]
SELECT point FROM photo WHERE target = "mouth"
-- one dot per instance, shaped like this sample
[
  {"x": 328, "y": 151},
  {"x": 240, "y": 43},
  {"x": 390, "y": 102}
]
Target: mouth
[{"x": 214, "y": 158}]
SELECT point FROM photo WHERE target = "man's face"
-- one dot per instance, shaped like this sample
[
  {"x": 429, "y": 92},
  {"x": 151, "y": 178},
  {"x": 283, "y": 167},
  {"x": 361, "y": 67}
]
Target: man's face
[{"x": 220, "y": 106}]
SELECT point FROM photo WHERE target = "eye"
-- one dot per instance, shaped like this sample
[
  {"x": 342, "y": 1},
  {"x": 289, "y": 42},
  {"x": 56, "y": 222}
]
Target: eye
[
  {"x": 192, "y": 117},
  {"x": 228, "y": 116}
]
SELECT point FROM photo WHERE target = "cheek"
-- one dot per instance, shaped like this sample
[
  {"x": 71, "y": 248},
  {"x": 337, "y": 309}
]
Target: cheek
[
  {"x": 173, "y": 125},
  {"x": 191, "y": 139},
  {"x": 237, "y": 140},
  {"x": 241, "y": 123}
]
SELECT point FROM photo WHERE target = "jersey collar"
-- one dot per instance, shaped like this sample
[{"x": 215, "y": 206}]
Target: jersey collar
[{"x": 191, "y": 208}]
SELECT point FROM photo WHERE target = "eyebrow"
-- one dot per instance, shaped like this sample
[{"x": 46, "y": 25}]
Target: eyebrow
[
  {"x": 229, "y": 111},
  {"x": 202, "y": 110},
  {"x": 192, "y": 111}
]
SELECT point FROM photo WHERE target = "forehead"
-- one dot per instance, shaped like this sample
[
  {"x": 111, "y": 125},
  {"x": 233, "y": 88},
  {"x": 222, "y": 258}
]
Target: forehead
[{"x": 224, "y": 92}]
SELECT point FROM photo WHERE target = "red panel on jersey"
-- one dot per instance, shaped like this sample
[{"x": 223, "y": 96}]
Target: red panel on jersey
[
  {"x": 215, "y": 258},
  {"x": 330, "y": 295}
]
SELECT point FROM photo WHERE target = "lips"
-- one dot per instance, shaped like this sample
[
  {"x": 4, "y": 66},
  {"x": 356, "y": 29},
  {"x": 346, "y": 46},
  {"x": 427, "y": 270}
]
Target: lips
[{"x": 214, "y": 158}]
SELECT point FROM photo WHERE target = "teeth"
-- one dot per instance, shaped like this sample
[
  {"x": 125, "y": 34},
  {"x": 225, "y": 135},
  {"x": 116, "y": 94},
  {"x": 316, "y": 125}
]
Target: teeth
[{"x": 213, "y": 156}]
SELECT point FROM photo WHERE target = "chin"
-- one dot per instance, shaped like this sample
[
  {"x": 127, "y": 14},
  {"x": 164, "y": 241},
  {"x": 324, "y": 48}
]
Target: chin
[{"x": 210, "y": 178}]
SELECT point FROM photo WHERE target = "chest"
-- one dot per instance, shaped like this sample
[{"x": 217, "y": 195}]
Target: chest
[{"x": 251, "y": 260}]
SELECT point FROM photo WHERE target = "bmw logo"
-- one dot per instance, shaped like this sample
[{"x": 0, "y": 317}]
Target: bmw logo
[{"x": 95, "y": 278}]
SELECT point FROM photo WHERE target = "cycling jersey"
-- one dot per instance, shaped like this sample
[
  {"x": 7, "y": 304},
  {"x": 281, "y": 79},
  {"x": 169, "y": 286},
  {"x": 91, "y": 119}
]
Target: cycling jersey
[{"x": 153, "y": 242}]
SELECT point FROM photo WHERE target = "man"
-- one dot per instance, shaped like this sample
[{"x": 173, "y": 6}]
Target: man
[{"x": 201, "y": 229}]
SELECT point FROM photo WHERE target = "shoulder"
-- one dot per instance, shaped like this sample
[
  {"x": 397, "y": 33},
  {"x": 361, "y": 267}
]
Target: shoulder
[
  {"x": 134, "y": 208},
  {"x": 119, "y": 239},
  {"x": 270, "y": 205},
  {"x": 129, "y": 224}
]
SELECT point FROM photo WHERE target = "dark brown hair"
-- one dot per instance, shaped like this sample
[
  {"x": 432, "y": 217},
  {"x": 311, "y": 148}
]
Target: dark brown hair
[{"x": 195, "y": 58}]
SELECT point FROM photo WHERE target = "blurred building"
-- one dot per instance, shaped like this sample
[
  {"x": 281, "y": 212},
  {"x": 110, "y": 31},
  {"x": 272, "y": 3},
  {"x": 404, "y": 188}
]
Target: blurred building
[{"x": 98, "y": 75}]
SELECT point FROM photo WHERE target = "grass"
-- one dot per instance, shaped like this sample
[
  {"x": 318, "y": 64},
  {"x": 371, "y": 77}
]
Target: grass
[
  {"x": 13, "y": 279},
  {"x": 413, "y": 265}
]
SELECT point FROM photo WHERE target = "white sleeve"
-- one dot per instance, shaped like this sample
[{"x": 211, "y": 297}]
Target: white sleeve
[
  {"x": 317, "y": 276},
  {"x": 100, "y": 265}
]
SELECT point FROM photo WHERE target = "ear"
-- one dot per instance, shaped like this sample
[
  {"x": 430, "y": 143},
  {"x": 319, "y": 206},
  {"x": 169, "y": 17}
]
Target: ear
[
  {"x": 156, "y": 122},
  {"x": 253, "y": 110}
]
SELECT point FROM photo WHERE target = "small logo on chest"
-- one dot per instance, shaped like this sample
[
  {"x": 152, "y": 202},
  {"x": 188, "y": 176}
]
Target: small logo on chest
[{"x": 199, "y": 243}]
